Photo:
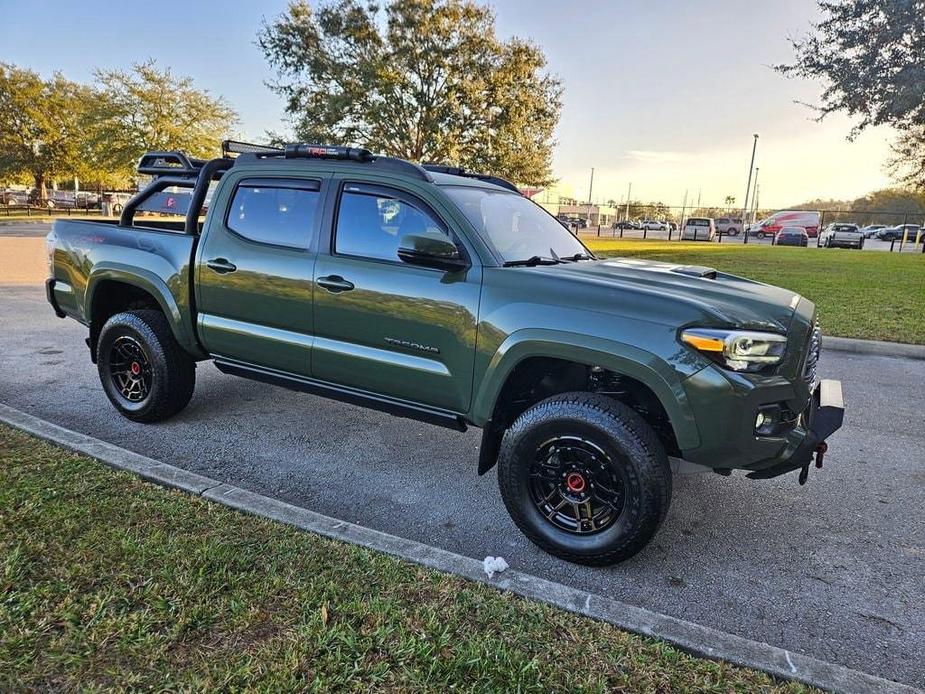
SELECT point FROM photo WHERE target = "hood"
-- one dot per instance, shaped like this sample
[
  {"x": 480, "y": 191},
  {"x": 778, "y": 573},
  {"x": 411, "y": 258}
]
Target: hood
[{"x": 730, "y": 300}]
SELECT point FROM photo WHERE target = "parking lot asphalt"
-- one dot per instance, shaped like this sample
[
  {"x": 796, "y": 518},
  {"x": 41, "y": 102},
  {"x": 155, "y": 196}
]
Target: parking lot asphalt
[{"x": 834, "y": 569}]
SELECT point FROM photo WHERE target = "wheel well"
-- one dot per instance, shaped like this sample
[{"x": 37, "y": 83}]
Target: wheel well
[
  {"x": 538, "y": 378},
  {"x": 111, "y": 297}
]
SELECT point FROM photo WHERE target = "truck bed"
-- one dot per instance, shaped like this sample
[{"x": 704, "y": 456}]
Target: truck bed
[{"x": 155, "y": 258}]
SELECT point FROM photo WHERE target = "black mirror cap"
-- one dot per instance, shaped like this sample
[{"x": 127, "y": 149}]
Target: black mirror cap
[{"x": 433, "y": 252}]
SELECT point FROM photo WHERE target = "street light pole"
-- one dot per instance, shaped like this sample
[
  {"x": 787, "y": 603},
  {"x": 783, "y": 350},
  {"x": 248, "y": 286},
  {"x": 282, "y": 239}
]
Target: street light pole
[
  {"x": 754, "y": 196},
  {"x": 748, "y": 187},
  {"x": 590, "y": 190},
  {"x": 629, "y": 192}
]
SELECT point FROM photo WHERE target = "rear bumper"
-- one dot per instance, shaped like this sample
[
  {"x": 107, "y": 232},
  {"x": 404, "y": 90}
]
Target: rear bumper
[
  {"x": 823, "y": 417},
  {"x": 50, "y": 295}
]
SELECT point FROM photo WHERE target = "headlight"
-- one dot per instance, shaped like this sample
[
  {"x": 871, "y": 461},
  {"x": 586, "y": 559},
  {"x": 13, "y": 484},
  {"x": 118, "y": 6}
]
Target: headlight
[{"x": 739, "y": 350}]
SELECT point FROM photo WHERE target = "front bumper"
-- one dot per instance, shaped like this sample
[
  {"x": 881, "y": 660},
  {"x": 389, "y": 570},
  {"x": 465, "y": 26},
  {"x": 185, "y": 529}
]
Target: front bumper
[{"x": 823, "y": 417}]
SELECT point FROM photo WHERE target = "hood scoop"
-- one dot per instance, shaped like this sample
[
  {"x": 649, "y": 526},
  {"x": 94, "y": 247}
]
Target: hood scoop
[{"x": 696, "y": 271}]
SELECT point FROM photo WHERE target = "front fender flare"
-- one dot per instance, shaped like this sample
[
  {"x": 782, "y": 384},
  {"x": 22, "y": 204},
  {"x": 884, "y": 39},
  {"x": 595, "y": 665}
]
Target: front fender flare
[{"x": 646, "y": 367}]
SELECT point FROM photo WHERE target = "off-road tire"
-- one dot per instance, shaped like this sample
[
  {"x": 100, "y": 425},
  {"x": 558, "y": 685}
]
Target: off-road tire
[
  {"x": 173, "y": 371},
  {"x": 626, "y": 438}
]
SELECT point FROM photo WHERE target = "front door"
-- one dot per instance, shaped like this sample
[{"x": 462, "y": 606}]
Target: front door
[
  {"x": 254, "y": 273},
  {"x": 382, "y": 325}
]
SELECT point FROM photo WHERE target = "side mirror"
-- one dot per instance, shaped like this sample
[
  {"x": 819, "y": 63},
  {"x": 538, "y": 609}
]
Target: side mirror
[{"x": 431, "y": 251}]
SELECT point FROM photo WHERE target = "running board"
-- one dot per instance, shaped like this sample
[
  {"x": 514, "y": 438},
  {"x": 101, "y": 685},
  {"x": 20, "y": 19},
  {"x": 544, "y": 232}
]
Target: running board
[{"x": 353, "y": 396}]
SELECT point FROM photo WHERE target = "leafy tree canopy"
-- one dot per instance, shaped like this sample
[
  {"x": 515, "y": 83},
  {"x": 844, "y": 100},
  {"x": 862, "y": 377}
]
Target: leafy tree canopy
[
  {"x": 870, "y": 54},
  {"x": 152, "y": 109},
  {"x": 431, "y": 82},
  {"x": 41, "y": 125}
]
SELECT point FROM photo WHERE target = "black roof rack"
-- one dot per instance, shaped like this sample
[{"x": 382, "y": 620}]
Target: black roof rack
[
  {"x": 459, "y": 171},
  {"x": 169, "y": 164},
  {"x": 302, "y": 150}
]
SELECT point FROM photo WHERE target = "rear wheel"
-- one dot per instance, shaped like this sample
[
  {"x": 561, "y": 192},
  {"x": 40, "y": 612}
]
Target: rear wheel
[
  {"x": 147, "y": 376},
  {"x": 584, "y": 478}
]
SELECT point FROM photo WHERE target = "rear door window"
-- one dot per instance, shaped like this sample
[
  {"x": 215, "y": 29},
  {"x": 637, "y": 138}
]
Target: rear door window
[{"x": 280, "y": 212}]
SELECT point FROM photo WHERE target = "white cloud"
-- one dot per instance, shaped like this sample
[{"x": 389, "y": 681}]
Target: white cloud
[{"x": 649, "y": 156}]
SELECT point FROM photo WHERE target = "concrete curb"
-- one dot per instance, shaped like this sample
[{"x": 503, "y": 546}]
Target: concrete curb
[
  {"x": 695, "y": 639},
  {"x": 873, "y": 347}
]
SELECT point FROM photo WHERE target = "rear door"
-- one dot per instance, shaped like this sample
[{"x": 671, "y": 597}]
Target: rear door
[
  {"x": 254, "y": 271},
  {"x": 384, "y": 326}
]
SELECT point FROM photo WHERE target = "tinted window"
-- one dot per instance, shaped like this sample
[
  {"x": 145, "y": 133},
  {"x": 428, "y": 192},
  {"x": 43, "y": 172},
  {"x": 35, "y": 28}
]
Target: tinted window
[
  {"x": 371, "y": 225},
  {"x": 722, "y": 220},
  {"x": 281, "y": 215},
  {"x": 698, "y": 222},
  {"x": 513, "y": 225}
]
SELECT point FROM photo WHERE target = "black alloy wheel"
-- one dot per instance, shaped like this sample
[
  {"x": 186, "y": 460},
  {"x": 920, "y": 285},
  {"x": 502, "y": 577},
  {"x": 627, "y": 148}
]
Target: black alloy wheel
[
  {"x": 130, "y": 369},
  {"x": 576, "y": 486}
]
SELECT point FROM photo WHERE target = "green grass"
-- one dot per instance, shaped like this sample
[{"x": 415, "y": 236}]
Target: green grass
[
  {"x": 109, "y": 582},
  {"x": 870, "y": 294}
]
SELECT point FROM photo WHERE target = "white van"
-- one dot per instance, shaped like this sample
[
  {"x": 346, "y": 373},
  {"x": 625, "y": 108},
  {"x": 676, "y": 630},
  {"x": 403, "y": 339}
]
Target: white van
[
  {"x": 698, "y": 229},
  {"x": 769, "y": 227}
]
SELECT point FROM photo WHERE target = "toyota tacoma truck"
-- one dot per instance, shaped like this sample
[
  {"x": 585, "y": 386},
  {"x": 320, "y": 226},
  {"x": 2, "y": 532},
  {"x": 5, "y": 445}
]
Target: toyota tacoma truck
[{"x": 447, "y": 297}]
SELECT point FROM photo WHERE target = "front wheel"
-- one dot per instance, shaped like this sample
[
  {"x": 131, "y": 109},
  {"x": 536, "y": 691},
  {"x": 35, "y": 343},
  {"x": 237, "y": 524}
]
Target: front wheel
[
  {"x": 147, "y": 376},
  {"x": 584, "y": 478}
]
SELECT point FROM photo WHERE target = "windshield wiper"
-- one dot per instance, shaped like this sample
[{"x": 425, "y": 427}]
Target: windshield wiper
[
  {"x": 532, "y": 261},
  {"x": 577, "y": 257}
]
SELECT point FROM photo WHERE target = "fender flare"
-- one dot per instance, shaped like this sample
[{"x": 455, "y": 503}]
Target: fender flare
[
  {"x": 647, "y": 368},
  {"x": 154, "y": 285}
]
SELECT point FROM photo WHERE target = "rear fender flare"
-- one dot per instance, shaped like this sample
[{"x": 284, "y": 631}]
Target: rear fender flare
[
  {"x": 651, "y": 370},
  {"x": 180, "y": 326}
]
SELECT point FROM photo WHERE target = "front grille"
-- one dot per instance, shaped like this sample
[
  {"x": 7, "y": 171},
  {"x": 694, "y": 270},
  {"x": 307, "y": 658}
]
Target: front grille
[{"x": 812, "y": 356}]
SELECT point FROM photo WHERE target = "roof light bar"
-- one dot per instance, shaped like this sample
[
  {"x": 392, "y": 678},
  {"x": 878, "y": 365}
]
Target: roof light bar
[
  {"x": 304, "y": 151},
  {"x": 236, "y": 147}
]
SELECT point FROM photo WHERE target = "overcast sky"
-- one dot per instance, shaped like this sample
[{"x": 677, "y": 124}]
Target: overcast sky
[{"x": 661, "y": 93}]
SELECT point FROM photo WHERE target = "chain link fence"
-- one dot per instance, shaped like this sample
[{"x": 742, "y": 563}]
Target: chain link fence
[{"x": 897, "y": 231}]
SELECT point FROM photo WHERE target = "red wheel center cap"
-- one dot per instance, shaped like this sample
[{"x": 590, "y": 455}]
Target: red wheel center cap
[
  {"x": 136, "y": 368},
  {"x": 575, "y": 482}
]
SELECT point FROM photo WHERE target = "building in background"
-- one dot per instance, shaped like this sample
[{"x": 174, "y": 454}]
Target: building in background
[{"x": 561, "y": 202}]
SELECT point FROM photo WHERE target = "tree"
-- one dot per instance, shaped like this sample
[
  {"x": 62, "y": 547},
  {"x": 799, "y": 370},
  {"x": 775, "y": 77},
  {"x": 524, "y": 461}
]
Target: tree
[
  {"x": 871, "y": 56},
  {"x": 152, "y": 109},
  {"x": 431, "y": 83},
  {"x": 41, "y": 126}
]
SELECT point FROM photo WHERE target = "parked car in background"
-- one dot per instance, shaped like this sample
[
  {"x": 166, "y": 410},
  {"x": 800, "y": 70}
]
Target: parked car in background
[
  {"x": 579, "y": 222},
  {"x": 625, "y": 224},
  {"x": 116, "y": 201},
  {"x": 896, "y": 233},
  {"x": 870, "y": 231},
  {"x": 841, "y": 235},
  {"x": 653, "y": 225},
  {"x": 769, "y": 227},
  {"x": 791, "y": 236},
  {"x": 14, "y": 198},
  {"x": 731, "y": 226},
  {"x": 698, "y": 229}
]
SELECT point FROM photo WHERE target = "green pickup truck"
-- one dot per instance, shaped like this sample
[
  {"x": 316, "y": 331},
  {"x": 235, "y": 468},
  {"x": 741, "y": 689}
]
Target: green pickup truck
[{"x": 445, "y": 296}]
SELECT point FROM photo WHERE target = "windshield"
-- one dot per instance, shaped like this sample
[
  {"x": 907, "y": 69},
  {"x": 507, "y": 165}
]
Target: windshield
[{"x": 515, "y": 227}]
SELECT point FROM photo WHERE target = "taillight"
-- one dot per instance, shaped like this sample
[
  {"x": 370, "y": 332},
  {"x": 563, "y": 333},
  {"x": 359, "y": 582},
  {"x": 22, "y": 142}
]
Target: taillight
[{"x": 50, "y": 252}]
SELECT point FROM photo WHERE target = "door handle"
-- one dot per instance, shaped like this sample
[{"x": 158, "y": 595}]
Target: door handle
[
  {"x": 335, "y": 284},
  {"x": 221, "y": 266}
]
